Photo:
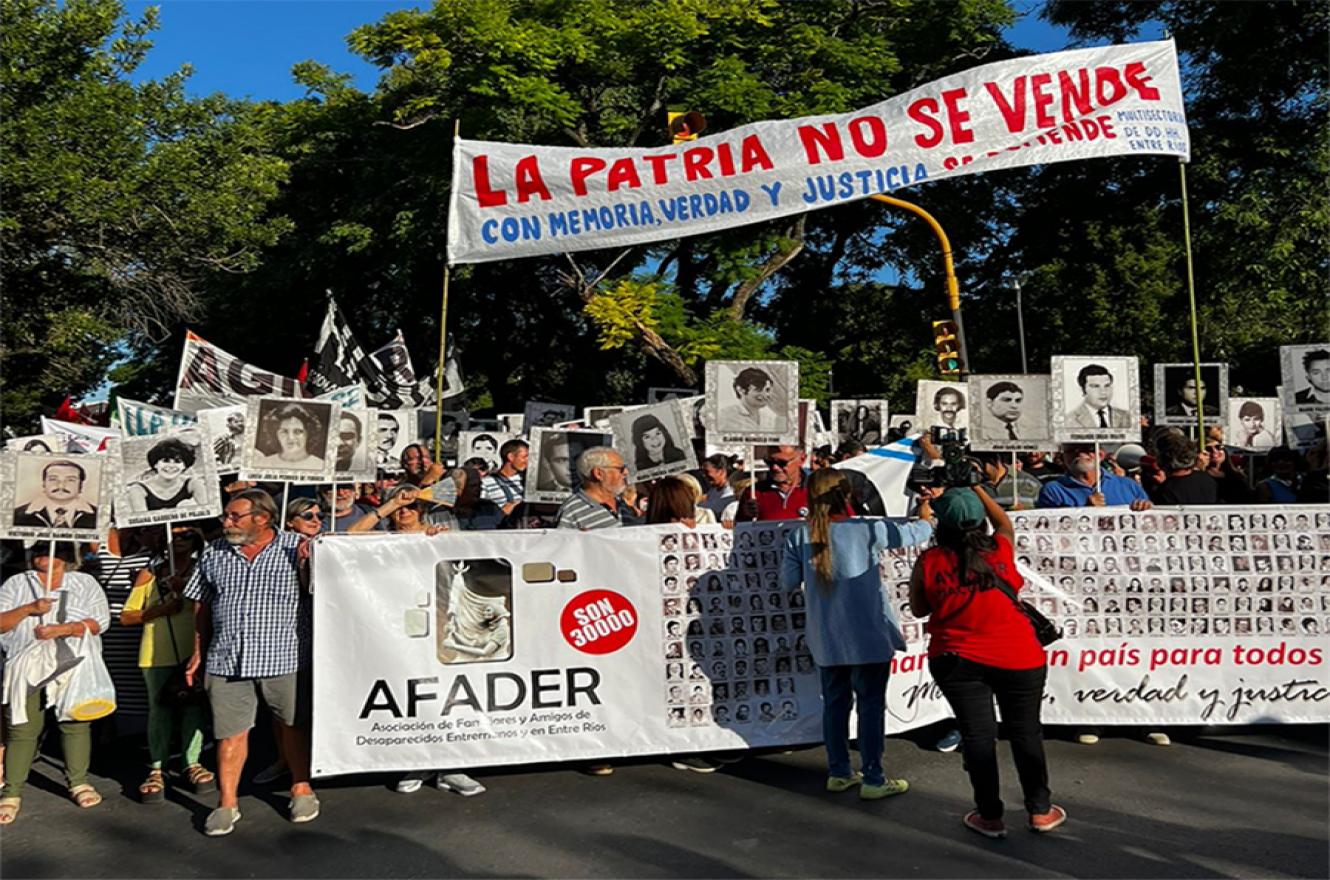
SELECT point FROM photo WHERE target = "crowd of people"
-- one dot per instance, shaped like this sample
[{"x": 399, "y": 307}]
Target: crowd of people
[{"x": 224, "y": 607}]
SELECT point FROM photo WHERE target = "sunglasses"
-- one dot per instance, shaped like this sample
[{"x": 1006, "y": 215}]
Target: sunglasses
[
  {"x": 780, "y": 463},
  {"x": 309, "y": 515}
]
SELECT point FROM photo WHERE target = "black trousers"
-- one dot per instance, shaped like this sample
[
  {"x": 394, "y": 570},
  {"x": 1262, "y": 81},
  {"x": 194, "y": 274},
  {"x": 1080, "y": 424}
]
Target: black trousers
[{"x": 970, "y": 688}]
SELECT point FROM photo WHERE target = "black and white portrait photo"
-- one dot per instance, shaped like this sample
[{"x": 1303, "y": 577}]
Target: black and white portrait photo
[
  {"x": 483, "y": 445},
  {"x": 58, "y": 496},
  {"x": 453, "y": 423},
  {"x": 656, "y": 395},
  {"x": 693, "y": 411},
  {"x": 864, "y": 421},
  {"x": 225, "y": 426},
  {"x": 1305, "y": 370},
  {"x": 1253, "y": 423},
  {"x": 394, "y": 430},
  {"x": 1303, "y": 431},
  {"x": 1095, "y": 399},
  {"x": 354, "y": 449},
  {"x": 599, "y": 416},
  {"x": 511, "y": 423},
  {"x": 1178, "y": 396},
  {"x": 540, "y": 414},
  {"x": 1010, "y": 413},
  {"x": 752, "y": 401},
  {"x": 552, "y": 468},
  {"x": 36, "y": 443},
  {"x": 942, "y": 405},
  {"x": 654, "y": 441},
  {"x": 165, "y": 478},
  {"x": 289, "y": 439}
]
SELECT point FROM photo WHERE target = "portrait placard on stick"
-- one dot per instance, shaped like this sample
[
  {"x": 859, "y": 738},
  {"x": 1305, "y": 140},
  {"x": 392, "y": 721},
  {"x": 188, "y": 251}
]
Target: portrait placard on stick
[
  {"x": 599, "y": 416},
  {"x": 942, "y": 405},
  {"x": 355, "y": 446},
  {"x": 58, "y": 496},
  {"x": 511, "y": 423},
  {"x": 540, "y": 414},
  {"x": 864, "y": 421},
  {"x": 552, "y": 471},
  {"x": 1305, "y": 370},
  {"x": 653, "y": 441},
  {"x": 1177, "y": 395},
  {"x": 289, "y": 439},
  {"x": 1253, "y": 423},
  {"x": 225, "y": 427},
  {"x": 482, "y": 444},
  {"x": 1095, "y": 399},
  {"x": 752, "y": 401},
  {"x": 36, "y": 443},
  {"x": 394, "y": 430},
  {"x": 165, "y": 477},
  {"x": 1011, "y": 413}
]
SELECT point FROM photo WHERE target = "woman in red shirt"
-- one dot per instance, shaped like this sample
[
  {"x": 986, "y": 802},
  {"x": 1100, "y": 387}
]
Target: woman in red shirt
[{"x": 982, "y": 646}]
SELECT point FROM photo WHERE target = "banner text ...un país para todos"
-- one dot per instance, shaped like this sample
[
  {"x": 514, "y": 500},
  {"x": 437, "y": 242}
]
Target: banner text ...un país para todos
[
  {"x": 489, "y": 648},
  {"x": 519, "y": 200}
]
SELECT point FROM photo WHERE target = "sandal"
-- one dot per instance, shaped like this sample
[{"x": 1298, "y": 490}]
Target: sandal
[
  {"x": 8, "y": 810},
  {"x": 201, "y": 778},
  {"x": 85, "y": 796},
  {"x": 153, "y": 789}
]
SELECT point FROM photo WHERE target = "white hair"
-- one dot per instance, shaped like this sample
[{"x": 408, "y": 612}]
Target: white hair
[{"x": 595, "y": 457}]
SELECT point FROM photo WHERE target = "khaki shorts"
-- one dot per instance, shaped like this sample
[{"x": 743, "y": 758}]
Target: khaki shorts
[{"x": 235, "y": 701}]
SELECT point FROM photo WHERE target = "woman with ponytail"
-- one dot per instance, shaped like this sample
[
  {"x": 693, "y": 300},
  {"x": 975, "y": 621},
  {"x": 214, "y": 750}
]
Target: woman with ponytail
[
  {"x": 852, "y": 629},
  {"x": 982, "y": 646}
]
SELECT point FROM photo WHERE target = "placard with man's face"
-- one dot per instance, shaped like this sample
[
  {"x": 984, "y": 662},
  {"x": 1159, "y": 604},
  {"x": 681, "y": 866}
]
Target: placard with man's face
[
  {"x": 289, "y": 439},
  {"x": 752, "y": 402},
  {"x": 356, "y": 436},
  {"x": 1305, "y": 370},
  {"x": 551, "y": 474},
  {"x": 1178, "y": 396},
  {"x": 541, "y": 414},
  {"x": 394, "y": 430},
  {"x": 453, "y": 423},
  {"x": 56, "y": 496},
  {"x": 1095, "y": 399},
  {"x": 864, "y": 421},
  {"x": 1253, "y": 423},
  {"x": 225, "y": 426},
  {"x": 165, "y": 477},
  {"x": 656, "y": 395},
  {"x": 482, "y": 444},
  {"x": 653, "y": 441},
  {"x": 942, "y": 405},
  {"x": 1010, "y": 413}
]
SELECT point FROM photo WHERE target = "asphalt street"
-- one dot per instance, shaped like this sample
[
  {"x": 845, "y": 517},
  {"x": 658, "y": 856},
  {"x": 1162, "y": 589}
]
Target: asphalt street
[{"x": 1248, "y": 802}]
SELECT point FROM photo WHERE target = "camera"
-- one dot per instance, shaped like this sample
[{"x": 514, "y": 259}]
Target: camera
[{"x": 957, "y": 469}]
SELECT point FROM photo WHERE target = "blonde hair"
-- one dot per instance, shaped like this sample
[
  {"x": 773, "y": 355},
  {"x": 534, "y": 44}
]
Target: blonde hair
[
  {"x": 828, "y": 493},
  {"x": 692, "y": 482}
]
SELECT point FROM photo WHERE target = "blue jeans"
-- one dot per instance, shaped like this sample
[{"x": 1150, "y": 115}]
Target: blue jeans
[{"x": 843, "y": 686}]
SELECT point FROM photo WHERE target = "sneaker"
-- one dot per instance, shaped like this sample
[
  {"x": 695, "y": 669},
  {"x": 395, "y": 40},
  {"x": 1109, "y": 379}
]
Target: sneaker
[
  {"x": 696, "y": 763},
  {"x": 601, "y": 769},
  {"x": 843, "y": 783},
  {"x": 1158, "y": 738},
  {"x": 993, "y": 828},
  {"x": 221, "y": 821},
  {"x": 272, "y": 773},
  {"x": 887, "y": 789},
  {"x": 1048, "y": 821},
  {"x": 459, "y": 783},
  {"x": 304, "y": 808},
  {"x": 1087, "y": 739},
  {"x": 950, "y": 742},
  {"x": 411, "y": 782}
]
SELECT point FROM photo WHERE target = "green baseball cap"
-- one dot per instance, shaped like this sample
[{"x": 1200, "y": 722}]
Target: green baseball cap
[{"x": 959, "y": 509}]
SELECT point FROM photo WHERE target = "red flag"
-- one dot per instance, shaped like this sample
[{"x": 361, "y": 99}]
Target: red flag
[
  {"x": 303, "y": 375},
  {"x": 66, "y": 413}
]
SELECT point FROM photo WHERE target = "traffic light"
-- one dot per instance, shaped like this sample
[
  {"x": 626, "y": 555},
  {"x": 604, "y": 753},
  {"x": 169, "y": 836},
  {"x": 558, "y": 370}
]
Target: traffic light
[
  {"x": 945, "y": 335},
  {"x": 685, "y": 125}
]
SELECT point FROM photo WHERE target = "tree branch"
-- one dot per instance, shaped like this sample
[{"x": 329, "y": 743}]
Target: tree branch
[
  {"x": 407, "y": 126},
  {"x": 774, "y": 264}
]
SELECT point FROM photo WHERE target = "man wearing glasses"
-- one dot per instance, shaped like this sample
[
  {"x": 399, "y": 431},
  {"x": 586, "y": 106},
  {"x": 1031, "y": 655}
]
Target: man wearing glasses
[
  {"x": 598, "y": 504},
  {"x": 252, "y": 639},
  {"x": 782, "y": 495}
]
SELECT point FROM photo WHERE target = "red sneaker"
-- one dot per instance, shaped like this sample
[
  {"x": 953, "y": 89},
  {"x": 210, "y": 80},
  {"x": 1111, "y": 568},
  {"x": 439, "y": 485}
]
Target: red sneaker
[
  {"x": 1048, "y": 821},
  {"x": 993, "y": 828}
]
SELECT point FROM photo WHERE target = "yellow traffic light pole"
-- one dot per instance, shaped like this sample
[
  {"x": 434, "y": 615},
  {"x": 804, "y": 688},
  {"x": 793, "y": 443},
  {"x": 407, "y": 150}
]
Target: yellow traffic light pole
[{"x": 953, "y": 286}]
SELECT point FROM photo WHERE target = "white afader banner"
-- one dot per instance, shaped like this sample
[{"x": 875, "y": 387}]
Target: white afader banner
[
  {"x": 489, "y": 648},
  {"x": 517, "y": 200}
]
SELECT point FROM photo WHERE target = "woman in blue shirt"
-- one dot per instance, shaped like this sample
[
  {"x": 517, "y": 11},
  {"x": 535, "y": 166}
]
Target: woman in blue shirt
[{"x": 852, "y": 629}]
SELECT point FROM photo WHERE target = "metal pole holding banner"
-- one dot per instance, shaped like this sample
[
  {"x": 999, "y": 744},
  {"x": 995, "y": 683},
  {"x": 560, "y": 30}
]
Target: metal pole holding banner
[
  {"x": 949, "y": 268},
  {"x": 443, "y": 343},
  {"x": 1020, "y": 324},
  {"x": 1191, "y": 299}
]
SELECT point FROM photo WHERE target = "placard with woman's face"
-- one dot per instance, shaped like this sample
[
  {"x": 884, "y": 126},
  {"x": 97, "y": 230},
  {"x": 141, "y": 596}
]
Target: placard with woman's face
[
  {"x": 57, "y": 496},
  {"x": 290, "y": 439},
  {"x": 166, "y": 477},
  {"x": 1253, "y": 423},
  {"x": 654, "y": 441},
  {"x": 864, "y": 421}
]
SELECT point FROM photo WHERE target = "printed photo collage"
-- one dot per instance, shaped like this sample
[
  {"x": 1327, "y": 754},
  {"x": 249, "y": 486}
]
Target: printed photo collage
[
  {"x": 735, "y": 648},
  {"x": 1240, "y": 572}
]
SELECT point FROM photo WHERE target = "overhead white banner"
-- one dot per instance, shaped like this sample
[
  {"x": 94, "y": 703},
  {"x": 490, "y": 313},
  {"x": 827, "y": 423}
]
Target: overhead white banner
[
  {"x": 210, "y": 377},
  {"x": 139, "y": 419},
  {"x": 519, "y": 200},
  {"x": 486, "y": 648}
]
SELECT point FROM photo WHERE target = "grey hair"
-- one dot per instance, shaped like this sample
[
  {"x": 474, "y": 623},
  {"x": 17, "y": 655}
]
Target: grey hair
[
  {"x": 1176, "y": 451},
  {"x": 298, "y": 506},
  {"x": 595, "y": 457},
  {"x": 259, "y": 502}
]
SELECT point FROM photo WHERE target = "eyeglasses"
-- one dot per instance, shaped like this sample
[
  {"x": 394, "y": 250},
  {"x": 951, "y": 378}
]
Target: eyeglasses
[
  {"x": 235, "y": 517},
  {"x": 781, "y": 463},
  {"x": 309, "y": 515}
]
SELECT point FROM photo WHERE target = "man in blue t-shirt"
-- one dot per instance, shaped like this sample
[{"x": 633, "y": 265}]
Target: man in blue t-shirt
[{"x": 1076, "y": 488}]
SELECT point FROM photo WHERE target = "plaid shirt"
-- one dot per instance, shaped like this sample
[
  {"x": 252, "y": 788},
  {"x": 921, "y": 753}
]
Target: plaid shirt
[{"x": 260, "y": 615}]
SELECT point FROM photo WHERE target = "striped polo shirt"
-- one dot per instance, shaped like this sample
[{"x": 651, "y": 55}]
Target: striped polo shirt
[{"x": 581, "y": 512}]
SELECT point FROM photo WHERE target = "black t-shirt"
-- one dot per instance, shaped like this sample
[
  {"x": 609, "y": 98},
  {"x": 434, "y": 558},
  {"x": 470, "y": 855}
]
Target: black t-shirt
[{"x": 1196, "y": 487}]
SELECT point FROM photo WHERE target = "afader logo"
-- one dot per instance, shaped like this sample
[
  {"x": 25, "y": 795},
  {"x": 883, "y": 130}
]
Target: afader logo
[{"x": 598, "y": 622}]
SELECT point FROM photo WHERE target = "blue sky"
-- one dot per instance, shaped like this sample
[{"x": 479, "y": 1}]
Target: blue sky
[{"x": 246, "y": 47}]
